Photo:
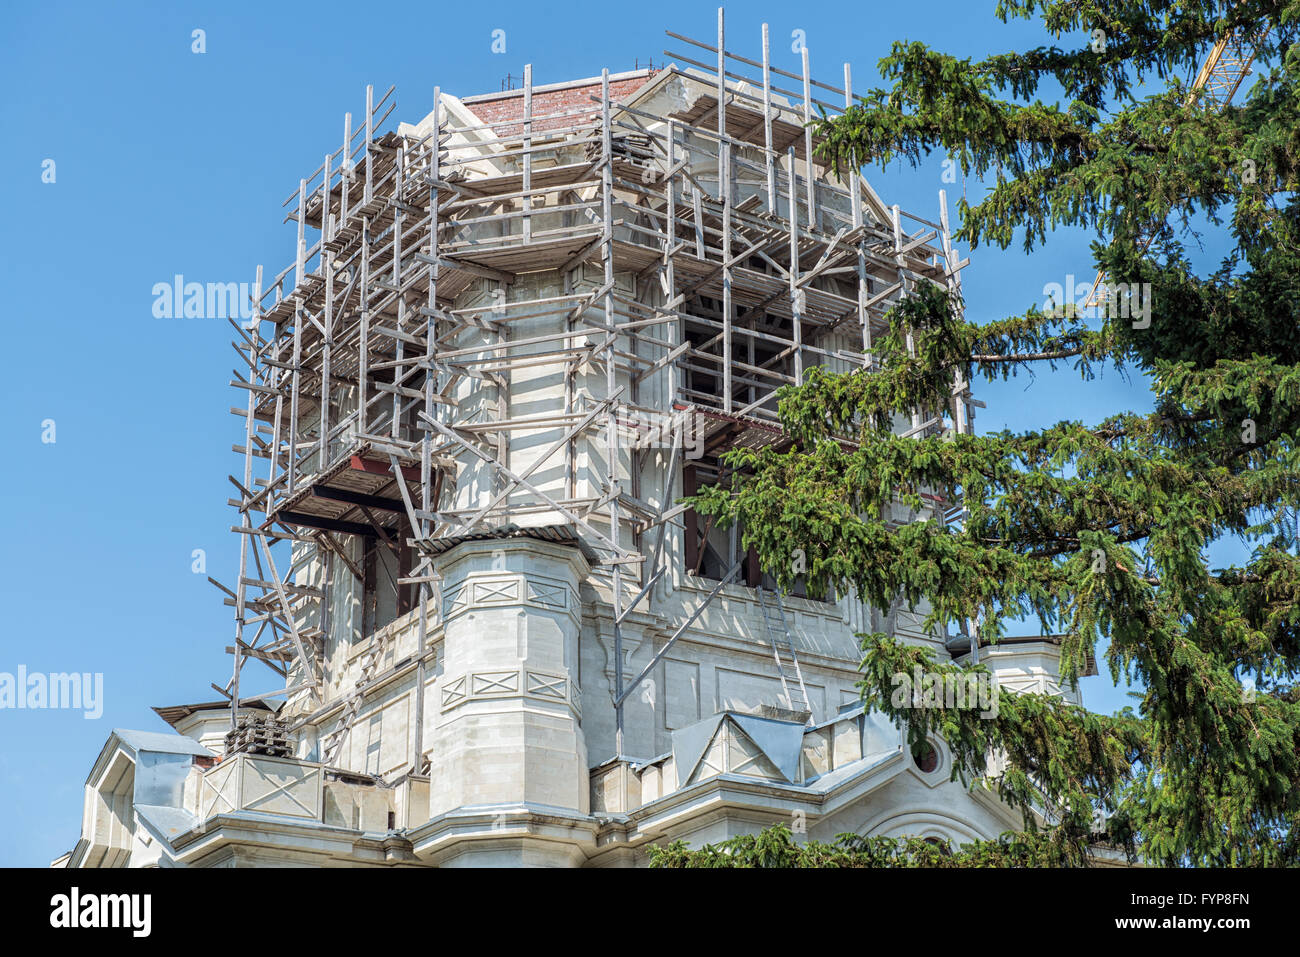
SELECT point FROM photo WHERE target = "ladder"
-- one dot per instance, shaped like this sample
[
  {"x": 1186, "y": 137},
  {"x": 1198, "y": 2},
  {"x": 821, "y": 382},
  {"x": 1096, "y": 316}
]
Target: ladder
[
  {"x": 778, "y": 634},
  {"x": 333, "y": 745}
]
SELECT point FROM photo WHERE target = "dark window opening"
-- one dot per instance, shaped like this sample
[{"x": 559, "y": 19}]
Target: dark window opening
[
  {"x": 925, "y": 757},
  {"x": 383, "y": 598},
  {"x": 710, "y": 551}
]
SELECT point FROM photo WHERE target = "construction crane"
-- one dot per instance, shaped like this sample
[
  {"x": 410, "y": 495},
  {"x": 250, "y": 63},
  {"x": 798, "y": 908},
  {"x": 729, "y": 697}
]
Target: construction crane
[
  {"x": 1220, "y": 76},
  {"x": 1225, "y": 68}
]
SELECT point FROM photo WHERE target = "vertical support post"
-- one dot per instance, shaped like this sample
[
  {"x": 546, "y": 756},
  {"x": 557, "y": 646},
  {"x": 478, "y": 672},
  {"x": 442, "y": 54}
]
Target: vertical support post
[
  {"x": 300, "y": 250},
  {"x": 528, "y": 152},
  {"x": 370, "y": 133},
  {"x": 327, "y": 315},
  {"x": 697, "y": 212},
  {"x": 571, "y": 366},
  {"x": 962, "y": 420},
  {"x": 904, "y": 289},
  {"x": 855, "y": 191},
  {"x": 722, "y": 102},
  {"x": 670, "y": 207},
  {"x": 807, "y": 142},
  {"x": 796, "y": 294},
  {"x": 727, "y": 327},
  {"x": 345, "y": 168},
  {"x": 961, "y": 411},
  {"x": 502, "y": 377},
  {"x": 769, "y": 157},
  {"x": 724, "y": 150},
  {"x": 299, "y": 316},
  {"x": 611, "y": 419},
  {"x": 363, "y": 352},
  {"x": 399, "y": 347},
  {"x": 427, "y": 502},
  {"x": 678, "y": 337},
  {"x": 724, "y": 194},
  {"x": 276, "y": 376}
]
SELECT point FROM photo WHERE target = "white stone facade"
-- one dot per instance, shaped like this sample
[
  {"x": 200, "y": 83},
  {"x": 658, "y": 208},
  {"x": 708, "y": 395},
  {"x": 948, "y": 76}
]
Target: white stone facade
[{"x": 520, "y": 745}]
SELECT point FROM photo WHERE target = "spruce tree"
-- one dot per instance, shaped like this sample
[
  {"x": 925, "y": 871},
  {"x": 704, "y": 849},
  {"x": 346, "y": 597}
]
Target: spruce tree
[{"x": 1098, "y": 530}]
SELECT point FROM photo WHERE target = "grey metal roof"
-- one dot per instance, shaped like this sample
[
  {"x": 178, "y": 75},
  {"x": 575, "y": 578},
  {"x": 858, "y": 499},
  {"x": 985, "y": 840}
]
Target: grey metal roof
[
  {"x": 167, "y": 821},
  {"x": 780, "y": 741},
  {"x": 160, "y": 741}
]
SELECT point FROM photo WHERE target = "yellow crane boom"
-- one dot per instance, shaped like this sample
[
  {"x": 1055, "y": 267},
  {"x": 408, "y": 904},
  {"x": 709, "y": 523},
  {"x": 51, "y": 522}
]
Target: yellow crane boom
[{"x": 1221, "y": 75}]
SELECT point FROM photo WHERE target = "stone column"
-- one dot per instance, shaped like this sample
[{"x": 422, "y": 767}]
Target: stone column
[{"x": 507, "y": 725}]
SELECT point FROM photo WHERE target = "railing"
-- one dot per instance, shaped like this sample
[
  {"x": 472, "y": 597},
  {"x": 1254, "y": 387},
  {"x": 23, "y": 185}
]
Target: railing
[
  {"x": 306, "y": 791},
  {"x": 280, "y": 786}
]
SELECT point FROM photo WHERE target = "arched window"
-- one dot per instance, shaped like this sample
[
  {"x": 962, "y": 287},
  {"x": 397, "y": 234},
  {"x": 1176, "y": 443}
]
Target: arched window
[{"x": 925, "y": 756}]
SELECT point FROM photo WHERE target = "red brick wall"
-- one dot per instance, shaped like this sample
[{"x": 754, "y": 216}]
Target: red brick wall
[{"x": 511, "y": 106}]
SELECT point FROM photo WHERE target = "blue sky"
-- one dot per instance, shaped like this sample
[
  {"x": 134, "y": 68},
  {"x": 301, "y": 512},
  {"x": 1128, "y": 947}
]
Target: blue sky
[{"x": 168, "y": 162}]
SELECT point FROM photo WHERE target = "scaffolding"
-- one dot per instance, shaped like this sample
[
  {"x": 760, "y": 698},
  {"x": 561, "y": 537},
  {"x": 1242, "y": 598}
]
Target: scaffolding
[{"x": 549, "y": 309}]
